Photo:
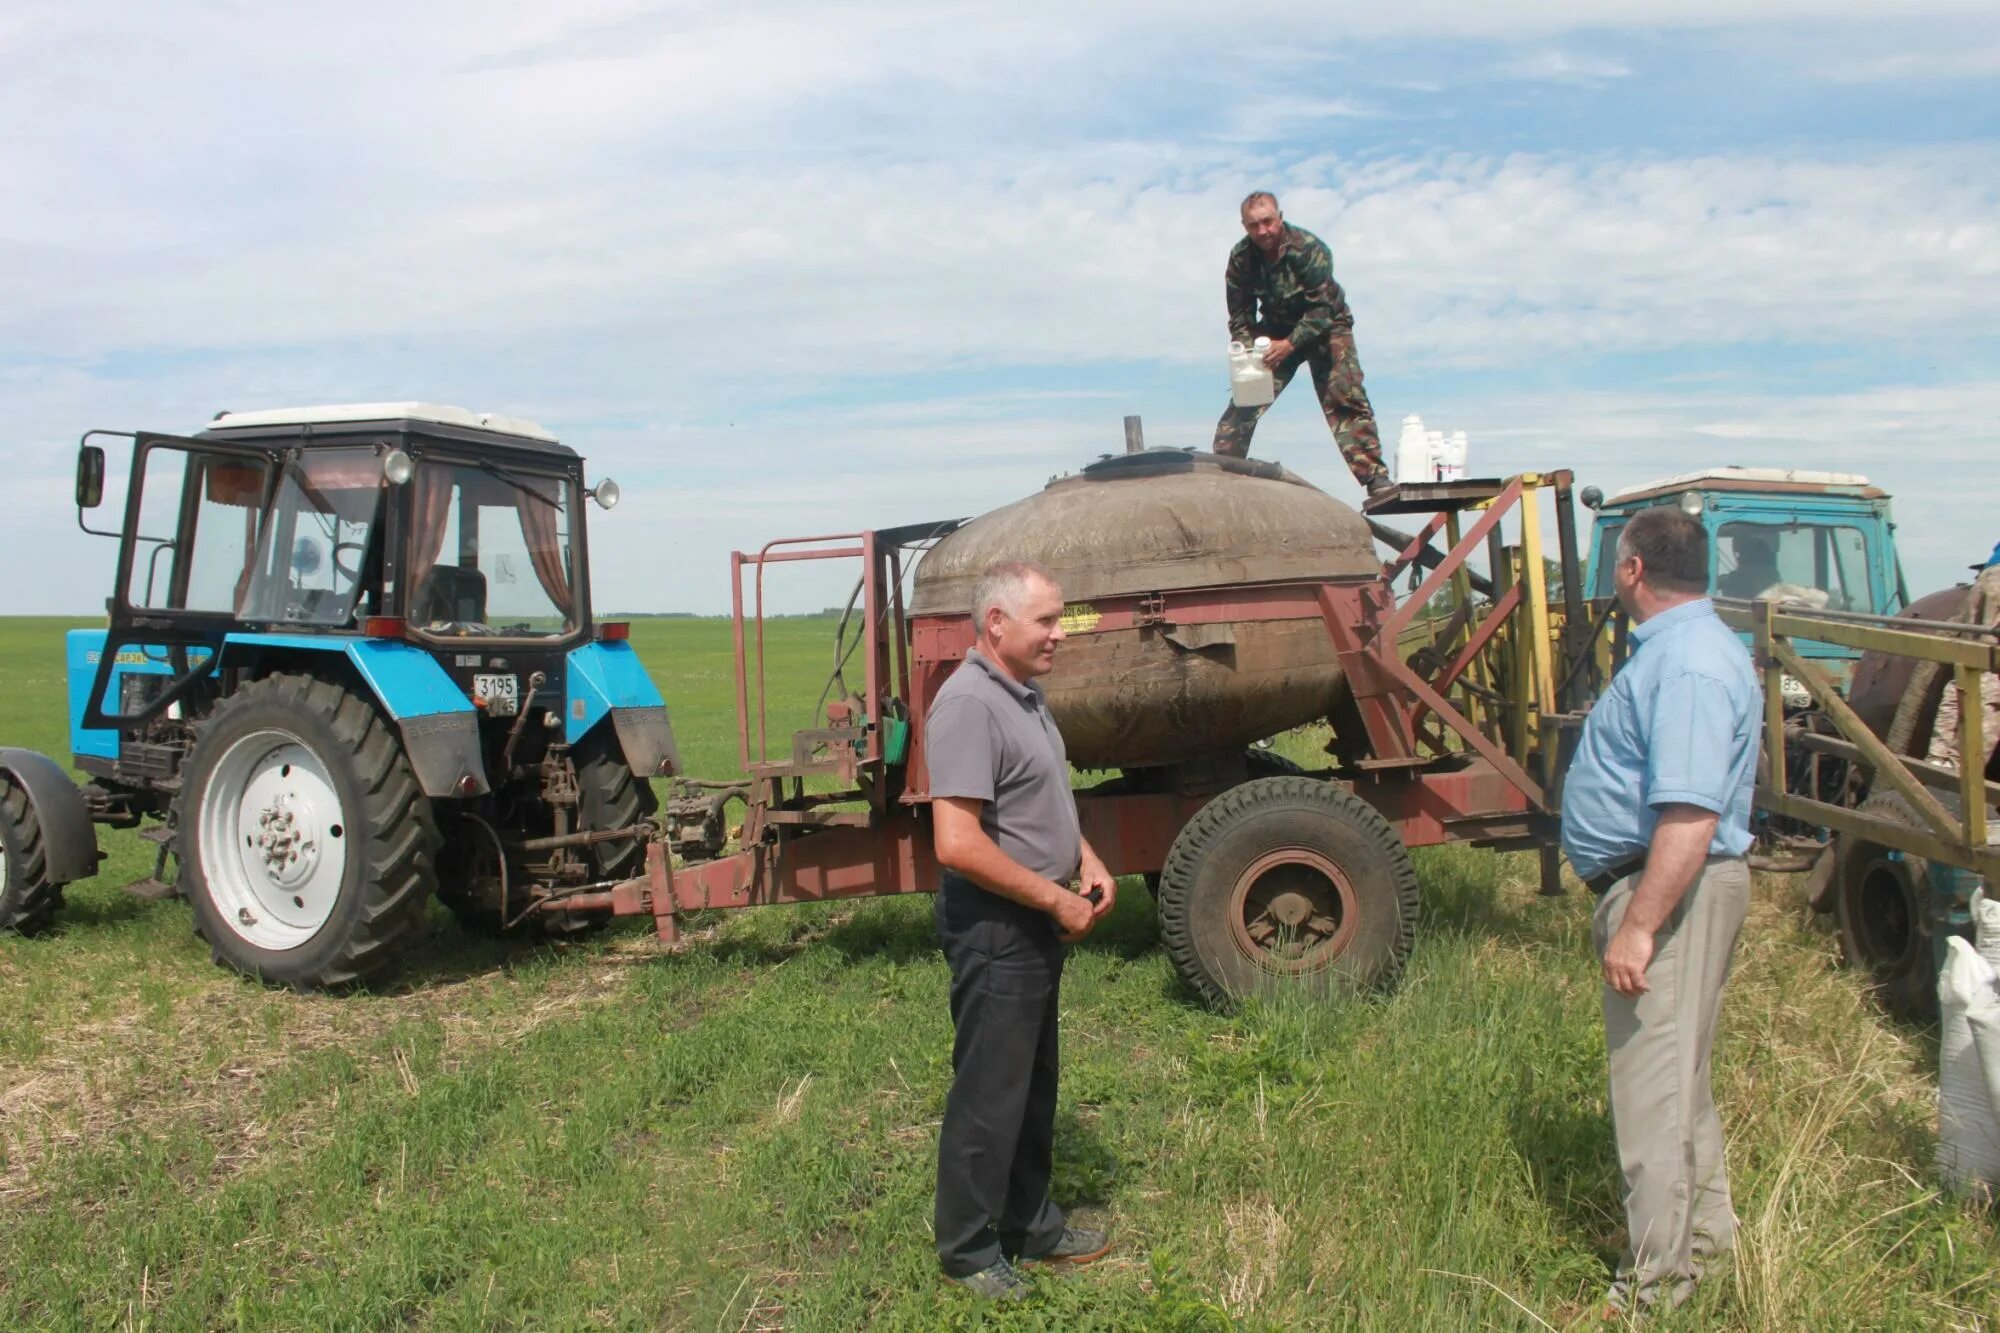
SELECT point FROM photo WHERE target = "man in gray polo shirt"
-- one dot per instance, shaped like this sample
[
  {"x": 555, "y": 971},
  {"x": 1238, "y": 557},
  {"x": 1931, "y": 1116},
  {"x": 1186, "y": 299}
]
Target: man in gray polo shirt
[{"x": 1007, "y": 836}]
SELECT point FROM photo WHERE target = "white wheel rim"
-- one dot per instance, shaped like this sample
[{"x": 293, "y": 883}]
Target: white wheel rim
[{"x": 273, "y": 840}]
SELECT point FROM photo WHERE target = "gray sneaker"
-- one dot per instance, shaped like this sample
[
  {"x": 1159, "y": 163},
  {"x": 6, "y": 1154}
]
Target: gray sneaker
[
  {"x": 1079, "y": 1245},
  {"x": 996, "y": 1282}
]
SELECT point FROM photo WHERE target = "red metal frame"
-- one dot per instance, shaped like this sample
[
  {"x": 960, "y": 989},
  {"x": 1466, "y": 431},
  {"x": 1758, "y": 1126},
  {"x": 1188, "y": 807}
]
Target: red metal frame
[{"x": 1479, "y": 793}]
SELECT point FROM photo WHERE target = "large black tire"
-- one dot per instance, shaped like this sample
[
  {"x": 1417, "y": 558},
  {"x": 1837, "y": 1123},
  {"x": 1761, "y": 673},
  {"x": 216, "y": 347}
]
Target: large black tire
[
  {"x": 1288, "y": 884},
  {"x": 330, "y": 769},
  {"x": 1259, "y": 764},
  {"x": 28, "y": 901},
  {"x": 1881, "y": 902}
]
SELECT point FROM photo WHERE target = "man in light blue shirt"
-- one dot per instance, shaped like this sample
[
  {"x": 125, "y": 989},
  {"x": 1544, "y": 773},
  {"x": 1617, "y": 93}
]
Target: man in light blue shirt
[{"x": 1656, "y": 820}]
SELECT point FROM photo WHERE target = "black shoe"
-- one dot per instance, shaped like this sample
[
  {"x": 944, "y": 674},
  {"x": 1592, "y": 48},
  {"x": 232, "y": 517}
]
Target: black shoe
[
  {"x": 1079, "y": 1245},
  {"x": 996, "y": 1282},
  {"x": 1379, "y": 483}
]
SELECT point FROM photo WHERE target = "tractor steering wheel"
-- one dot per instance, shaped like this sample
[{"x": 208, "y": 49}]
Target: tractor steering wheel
[{"x": 351, "y": 572}]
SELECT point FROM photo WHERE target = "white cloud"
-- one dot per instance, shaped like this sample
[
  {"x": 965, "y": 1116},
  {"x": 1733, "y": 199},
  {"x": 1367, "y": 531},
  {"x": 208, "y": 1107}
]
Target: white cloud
[
  {"x": 922, "y": 258},
  {"x": 1564, "y": 66}
]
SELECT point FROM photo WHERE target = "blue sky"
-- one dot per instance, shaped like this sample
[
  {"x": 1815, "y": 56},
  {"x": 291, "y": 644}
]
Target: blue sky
[{"x": 786, "y": 267}]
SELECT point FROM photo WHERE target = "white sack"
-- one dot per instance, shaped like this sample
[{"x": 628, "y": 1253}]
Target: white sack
[
  {"x": 1968, "y": 1114},
  {"x": 1986, "y": 927}
]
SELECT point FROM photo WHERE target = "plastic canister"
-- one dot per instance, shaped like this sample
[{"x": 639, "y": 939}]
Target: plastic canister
[
  {"x": 1250, "y": 381},
  {"x": 1413, "y": 452},
  {"x": 1454, "y": 457}
]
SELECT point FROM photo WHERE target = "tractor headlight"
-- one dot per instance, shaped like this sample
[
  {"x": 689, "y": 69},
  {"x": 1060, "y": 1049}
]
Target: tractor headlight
[
  {"x": 397, "y": 468},
  {"x": 605, "y": 493},
  {"x": 1691, "y": 503}
]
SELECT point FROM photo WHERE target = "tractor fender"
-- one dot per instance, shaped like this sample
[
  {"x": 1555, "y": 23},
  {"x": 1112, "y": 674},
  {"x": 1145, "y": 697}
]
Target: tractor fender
[
  {"x": 439, "y": 726},
  {"x": 67, "y": 832},
  {"x": 608, "y": 679}
]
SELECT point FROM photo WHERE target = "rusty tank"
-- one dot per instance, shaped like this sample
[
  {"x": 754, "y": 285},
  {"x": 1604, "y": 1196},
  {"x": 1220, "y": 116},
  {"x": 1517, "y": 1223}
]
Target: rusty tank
[{"x": 1189, "y": 585}]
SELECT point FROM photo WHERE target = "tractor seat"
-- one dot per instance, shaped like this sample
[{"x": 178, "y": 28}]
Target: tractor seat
[{"x": 451, "y": 594}]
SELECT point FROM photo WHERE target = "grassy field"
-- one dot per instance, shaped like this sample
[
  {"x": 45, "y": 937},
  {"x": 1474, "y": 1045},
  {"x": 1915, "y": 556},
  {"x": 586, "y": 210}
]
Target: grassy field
[{"x": 739, "y": 1134}]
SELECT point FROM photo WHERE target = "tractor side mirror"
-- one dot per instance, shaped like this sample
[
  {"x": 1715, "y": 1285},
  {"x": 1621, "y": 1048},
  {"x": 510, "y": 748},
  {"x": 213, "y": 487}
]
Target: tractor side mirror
[{"x": 89, "y": 477}]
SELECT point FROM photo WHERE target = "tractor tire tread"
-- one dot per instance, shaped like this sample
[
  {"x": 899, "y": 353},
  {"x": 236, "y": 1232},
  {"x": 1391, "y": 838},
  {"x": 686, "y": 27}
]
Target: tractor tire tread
[
  {"x": 1261, "y": 795},
  {"x": 402, "y": 838},
  {"x": 30, "y": 903}
]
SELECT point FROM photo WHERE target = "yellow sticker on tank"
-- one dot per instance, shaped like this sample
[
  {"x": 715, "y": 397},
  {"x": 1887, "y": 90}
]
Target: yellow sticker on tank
[{"x": 1079, "y": 618}]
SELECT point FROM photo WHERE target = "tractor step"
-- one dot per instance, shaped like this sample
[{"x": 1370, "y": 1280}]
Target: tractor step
[
  {"x": 152, "y": 890},
  {"x": 157, "y": 834}
]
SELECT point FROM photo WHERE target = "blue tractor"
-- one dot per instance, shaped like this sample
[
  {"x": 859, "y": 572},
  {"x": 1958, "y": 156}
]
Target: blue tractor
[
  {"x": 349, "y": 663},
  {"x": 1823, "y": 539}
]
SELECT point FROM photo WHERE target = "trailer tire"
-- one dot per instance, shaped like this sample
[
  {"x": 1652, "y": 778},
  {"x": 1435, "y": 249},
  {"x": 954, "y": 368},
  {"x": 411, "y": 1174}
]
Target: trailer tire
[
  {"x": 1881, "y": 903},
  {"x": 29, "y": 901},
  {"x": 330, "y": 770},
  {"x": 1288, "y": 884},
  {"x": 1261, "y": 764}
]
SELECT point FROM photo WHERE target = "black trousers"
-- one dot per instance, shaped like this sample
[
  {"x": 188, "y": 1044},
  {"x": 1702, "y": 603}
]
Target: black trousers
[{"x": 997, "y": 1145}]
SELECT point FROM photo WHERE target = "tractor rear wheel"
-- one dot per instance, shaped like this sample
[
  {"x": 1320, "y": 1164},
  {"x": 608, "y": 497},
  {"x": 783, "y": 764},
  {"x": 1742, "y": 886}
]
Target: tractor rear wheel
[
  {"x": 1288, "y": 884},
  {"x": 28, "y": 901},
  {"x": 1882, "y": 904},
  {"x": 307, "y": 847}
]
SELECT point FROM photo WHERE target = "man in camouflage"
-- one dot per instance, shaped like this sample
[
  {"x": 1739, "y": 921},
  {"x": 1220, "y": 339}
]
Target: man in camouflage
[{"x": 1280, "y": 286}]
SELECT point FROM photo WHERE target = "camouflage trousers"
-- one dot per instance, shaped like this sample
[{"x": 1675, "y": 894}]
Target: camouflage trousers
[{"x": 1336, "y": 375}]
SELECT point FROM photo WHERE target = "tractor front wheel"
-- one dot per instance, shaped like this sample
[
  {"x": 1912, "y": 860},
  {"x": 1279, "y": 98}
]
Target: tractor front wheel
[
  {"x": 307, "y": 847},
  {"x": 1287, "y": 884},
  {"x": 28, "y": 900}
]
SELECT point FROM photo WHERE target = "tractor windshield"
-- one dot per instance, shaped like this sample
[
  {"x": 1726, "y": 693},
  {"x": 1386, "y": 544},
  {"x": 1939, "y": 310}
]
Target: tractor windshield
[
  {"x": 316, "y": 557},
  {"x": 490, "y": 551},
  {"x": 1822, "y": 564}
]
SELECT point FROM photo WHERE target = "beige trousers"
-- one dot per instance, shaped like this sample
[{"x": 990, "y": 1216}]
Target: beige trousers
[{"x": 1662, "y": 1108}]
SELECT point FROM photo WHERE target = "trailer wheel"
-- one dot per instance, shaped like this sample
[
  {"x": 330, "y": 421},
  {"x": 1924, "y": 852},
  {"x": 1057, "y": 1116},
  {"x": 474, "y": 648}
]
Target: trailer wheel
[
  {"x": 307, "y": 846},
  {"x": 1288, "y": 884},
  {"x": 1261, "y": 764},
  {"x": 28, "y": 900},
  {"x": 1881, "y": 902}
]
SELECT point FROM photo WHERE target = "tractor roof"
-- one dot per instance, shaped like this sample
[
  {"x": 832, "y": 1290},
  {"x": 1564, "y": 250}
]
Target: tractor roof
[
  {"x": 417, "y": 415},
  {"x": 1791, "y": 481}
]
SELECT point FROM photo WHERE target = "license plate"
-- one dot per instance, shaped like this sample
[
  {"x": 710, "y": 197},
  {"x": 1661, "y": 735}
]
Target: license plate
[{"x": 500, "y": 694}]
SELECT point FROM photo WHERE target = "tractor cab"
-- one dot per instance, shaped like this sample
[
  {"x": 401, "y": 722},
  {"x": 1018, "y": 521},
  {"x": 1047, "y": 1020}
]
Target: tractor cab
[{"x": 1820, "y": 539}]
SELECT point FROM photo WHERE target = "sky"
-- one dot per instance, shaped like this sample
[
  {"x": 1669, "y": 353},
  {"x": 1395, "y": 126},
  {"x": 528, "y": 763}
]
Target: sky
[{"x": 793, "y": 268}]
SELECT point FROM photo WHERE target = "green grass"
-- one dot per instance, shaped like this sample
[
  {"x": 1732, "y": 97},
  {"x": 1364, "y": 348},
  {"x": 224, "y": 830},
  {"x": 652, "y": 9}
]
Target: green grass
[{"x": 739, "y": 1134}]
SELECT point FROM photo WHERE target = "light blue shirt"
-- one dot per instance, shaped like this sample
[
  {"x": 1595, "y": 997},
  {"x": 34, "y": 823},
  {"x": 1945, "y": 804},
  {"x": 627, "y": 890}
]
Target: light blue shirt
[{"x": 1679, "y": 726}]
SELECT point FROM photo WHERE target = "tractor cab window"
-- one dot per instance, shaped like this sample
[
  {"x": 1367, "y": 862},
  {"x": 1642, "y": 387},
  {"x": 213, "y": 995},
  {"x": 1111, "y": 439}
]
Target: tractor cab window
[
  {"x": 195, "y": 529},
  {"x": 490, "y": 551},
  {"x": 1822, "y": 564},
  {"x": 316, "y": 559}
]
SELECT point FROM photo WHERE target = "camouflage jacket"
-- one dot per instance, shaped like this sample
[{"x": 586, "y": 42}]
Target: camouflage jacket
[{"x": 1295, "y": 291}]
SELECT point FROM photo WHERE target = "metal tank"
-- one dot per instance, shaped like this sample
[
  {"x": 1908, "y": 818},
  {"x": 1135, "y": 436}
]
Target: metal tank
[{"x": 1190, "y": 584}]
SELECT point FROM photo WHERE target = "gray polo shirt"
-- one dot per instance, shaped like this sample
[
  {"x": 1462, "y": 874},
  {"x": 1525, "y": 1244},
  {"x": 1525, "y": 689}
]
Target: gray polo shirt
[{"x": 990, "y": 738}]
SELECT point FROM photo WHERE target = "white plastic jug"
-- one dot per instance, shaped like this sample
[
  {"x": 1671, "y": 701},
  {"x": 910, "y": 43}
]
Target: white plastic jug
[
  {"x": 1452, "y": 466},
  {"x": 1250, "y": 382},
  {"x": 1413, "y": 452}
]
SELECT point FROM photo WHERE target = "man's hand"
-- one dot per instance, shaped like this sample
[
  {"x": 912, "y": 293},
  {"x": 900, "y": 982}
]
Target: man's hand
[
  {"x": 1626, "y": 959},
  {"x": 1074, "y": 917},
  {"x": 1280, "y": 349},
  {"x": 1098, "y": 881}
]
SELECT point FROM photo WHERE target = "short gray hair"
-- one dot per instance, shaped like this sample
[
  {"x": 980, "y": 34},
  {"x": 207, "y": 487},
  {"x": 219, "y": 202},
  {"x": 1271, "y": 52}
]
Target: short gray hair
[
  {"x": 1672, "y": 547},
  {"x": 1003, "y": 584},
  {"x": 1256, "y": 196}
]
